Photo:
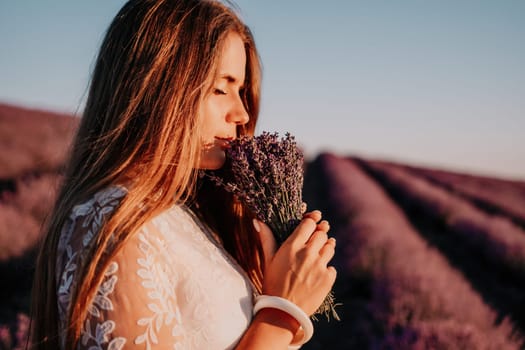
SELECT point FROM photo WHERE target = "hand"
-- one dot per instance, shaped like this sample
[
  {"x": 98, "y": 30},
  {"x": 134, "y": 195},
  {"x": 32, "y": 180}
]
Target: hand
[
  {"x": 269, "y": 244},
  {"x": 298, "y": 270}
]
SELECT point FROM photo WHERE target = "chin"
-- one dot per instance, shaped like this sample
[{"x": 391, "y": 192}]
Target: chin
[{"x": 212, "y": 160}]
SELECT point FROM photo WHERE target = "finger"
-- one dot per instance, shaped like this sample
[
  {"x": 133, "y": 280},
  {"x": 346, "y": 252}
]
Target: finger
[
  {"x": 327, "y": 251},
  {"x": 314, "y": 215},
  {"x": 267, "y": 239},
  {"x": 303, "y": 231},
  {"x": 317, "y": 241},
  {"x": 332, "y": 274},
  {"x": 323, "y": 226}
]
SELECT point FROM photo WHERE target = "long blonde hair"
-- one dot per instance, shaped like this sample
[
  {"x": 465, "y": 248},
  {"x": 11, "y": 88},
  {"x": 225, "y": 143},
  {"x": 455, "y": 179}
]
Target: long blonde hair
[{"x": 140, "y": 126}]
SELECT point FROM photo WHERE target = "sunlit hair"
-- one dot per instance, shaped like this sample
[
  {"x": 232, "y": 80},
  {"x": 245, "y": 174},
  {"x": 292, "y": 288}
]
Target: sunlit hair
[{"x": 140, "y": 129}]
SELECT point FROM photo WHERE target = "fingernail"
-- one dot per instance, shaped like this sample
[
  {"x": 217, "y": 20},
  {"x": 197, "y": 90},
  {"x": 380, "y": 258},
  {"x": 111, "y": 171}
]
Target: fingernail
[{"x": 256, "y": 225}]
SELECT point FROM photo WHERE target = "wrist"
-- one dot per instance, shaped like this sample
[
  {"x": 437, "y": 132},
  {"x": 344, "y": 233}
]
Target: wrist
[
  {"x": 269, "y": 329},
  {"x": 278, "y": 318},
  {"x": 292, "y": 310}
]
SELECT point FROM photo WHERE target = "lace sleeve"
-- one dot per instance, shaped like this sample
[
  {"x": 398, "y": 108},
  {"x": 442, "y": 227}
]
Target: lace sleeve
[{"x": 135, "y": 304}]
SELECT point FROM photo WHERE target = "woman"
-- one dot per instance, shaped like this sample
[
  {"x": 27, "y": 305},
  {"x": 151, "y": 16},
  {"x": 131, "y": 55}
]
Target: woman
[{"x": 140, "y": 252}]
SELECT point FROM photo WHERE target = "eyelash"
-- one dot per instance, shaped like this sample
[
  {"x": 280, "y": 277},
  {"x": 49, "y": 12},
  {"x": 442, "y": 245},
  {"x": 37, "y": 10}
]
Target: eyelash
[{"x": 218, "y": 91}]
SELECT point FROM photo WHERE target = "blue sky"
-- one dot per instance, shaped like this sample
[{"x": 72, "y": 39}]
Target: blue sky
[{"x": 439, "y": 83}]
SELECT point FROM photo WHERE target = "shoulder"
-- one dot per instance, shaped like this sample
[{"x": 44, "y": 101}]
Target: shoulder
[
  {"x": 181, "y": 224},
  {"x": 87, "y": 217},
  {"x": 103, "y": 201},
  {"x": 82, "y": 224}
]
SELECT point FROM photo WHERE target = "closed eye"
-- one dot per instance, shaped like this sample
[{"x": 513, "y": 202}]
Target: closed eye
[{"x": 219, "y": 92}]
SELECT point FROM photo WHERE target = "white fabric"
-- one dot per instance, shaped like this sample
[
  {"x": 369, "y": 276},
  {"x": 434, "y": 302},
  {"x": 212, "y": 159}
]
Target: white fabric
[{"x": 172, "y": 286}]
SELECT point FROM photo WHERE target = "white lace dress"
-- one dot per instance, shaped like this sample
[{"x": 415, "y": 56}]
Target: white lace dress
[{"x": 172, "y": 286}]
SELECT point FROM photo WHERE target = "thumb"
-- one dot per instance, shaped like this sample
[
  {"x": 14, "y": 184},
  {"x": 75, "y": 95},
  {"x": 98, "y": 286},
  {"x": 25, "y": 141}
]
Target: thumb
[{"x": 268, "y": 242}]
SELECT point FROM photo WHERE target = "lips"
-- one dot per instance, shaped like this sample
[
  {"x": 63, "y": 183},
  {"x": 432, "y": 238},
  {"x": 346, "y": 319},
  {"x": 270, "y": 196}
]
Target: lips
[{"x": 224, "y": 142}]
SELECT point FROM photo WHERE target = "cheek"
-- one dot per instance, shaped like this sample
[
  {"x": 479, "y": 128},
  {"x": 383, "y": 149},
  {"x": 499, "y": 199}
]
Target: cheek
[
  {"x": 213, "y": 106},
  {"x": 206, "y": 124}
]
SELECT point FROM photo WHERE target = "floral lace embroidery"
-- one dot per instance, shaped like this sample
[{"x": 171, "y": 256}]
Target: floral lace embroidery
[
  {"x": 67, "y": 278},
  {"x": 93, "y": 213},
  {"x": 100, "y": 338},
  {"x": 102, "y": 302},
  {"x": 154, "y": 279}
]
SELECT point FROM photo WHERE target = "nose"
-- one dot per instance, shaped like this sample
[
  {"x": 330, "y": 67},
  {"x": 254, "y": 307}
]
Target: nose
[{"x": 238, "y": 113}]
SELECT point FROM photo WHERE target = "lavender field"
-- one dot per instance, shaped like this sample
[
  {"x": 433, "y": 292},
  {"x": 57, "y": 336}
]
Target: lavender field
[
  {"x": 419, "y": 266},
  {"x": 33, "y": 145},
  {"x": 426, "y": 258}
]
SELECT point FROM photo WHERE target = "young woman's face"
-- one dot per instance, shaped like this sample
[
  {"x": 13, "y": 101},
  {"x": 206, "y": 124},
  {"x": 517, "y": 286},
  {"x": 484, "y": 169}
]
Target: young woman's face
[{"x": 223, "y": 109}]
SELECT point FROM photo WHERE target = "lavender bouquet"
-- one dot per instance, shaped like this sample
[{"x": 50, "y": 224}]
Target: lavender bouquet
[{"x": 265, "y": 172}]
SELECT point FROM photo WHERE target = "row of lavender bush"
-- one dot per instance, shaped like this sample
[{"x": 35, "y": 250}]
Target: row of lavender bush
[
  {"x": 33, "y": 145},
  {"x": 22, "y": 213},
  {"x": 397, "y": 292},
  {"x": 497, "y": 196},
  {"x": 13, "y": 336},
  {"x": 489, "y": 248},
  {"x": 33, "y": 140}
]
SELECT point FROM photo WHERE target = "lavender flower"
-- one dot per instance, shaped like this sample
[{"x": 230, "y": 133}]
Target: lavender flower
[{"x": 266, "y": 174}]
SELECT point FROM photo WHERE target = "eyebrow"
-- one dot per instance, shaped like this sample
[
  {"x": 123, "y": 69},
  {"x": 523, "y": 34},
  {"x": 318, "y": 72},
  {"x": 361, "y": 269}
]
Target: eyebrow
[{"x": 230, "y": 79}]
